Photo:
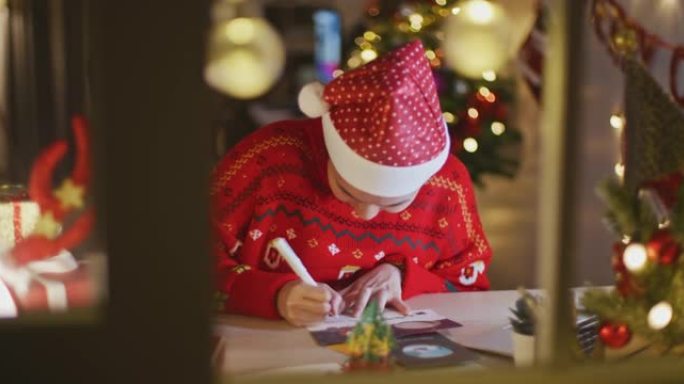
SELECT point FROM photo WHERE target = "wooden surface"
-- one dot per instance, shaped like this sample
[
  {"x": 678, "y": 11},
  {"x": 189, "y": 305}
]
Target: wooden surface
[{"x": 257, "y": 346}]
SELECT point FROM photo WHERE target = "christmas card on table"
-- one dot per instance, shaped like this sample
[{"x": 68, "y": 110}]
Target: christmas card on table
[{"x": 335, "y": 330}]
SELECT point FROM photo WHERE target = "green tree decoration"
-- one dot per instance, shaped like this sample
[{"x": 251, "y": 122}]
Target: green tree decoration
[
  {"x": 371, "y": 341},
  {"x": 646, "y": 213}
]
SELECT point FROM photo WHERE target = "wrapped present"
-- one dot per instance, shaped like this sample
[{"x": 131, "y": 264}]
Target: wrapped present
[
  {"x": 54, "y": 284},
  {"x": 18, "y": 214}
]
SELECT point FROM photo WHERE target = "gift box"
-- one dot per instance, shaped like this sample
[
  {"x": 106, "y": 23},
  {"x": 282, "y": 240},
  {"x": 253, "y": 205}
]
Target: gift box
[
  {"x": 18, "y": 215},
  {"x": 54, "y": 284}
]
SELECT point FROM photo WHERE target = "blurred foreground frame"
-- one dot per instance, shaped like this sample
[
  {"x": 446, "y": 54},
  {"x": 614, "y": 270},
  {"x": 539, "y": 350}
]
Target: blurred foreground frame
[
  {"x": 151, "y": 127},
  {"x": 151, "y": 122}
]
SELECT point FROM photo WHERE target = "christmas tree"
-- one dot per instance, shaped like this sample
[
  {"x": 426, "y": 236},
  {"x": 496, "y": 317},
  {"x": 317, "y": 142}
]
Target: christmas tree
[
  {"x": 646, "y": 212},
  {"x": 476, "y": 110}
]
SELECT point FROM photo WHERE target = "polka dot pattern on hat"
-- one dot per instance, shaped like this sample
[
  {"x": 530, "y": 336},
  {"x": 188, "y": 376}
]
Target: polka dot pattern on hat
[{"x": 388, "y": 111}]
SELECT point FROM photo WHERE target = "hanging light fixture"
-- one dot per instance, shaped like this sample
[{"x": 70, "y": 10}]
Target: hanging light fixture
[
  {"x": 477, "y": 39},
  {"x": 246, "y": 55}
]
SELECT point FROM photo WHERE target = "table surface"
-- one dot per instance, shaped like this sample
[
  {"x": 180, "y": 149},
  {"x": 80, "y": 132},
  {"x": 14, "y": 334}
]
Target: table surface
[{"x": 256, "y": 346}]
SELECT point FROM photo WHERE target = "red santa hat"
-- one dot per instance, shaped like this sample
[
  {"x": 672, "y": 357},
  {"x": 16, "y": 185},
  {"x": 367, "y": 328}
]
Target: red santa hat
[{"x": 382, "y": 122}]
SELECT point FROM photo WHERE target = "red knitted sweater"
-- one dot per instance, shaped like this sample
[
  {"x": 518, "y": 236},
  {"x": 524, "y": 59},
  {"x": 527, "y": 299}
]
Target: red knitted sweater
[{"x": 274, "y": 183}]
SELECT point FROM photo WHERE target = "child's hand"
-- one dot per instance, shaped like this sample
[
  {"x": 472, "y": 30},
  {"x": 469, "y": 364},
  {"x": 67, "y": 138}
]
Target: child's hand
[
  {"x": 383, "y": 284},
  {"x": 301, "y": 304}
]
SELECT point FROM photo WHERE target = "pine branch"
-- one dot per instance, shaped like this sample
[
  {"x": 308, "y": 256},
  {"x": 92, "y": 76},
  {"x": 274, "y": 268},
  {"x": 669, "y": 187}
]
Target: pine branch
[{"x": 620, "y": 207}]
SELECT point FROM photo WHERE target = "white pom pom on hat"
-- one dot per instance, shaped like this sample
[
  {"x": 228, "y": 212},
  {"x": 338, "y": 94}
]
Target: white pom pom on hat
[{"x": 311, "y": 101}]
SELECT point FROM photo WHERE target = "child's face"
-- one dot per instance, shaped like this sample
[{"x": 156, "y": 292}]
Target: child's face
[{"x": 366, "y": 206}]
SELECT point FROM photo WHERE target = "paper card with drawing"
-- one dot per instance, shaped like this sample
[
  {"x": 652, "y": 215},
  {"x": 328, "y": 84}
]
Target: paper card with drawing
[{"x": 334, "y": 330}]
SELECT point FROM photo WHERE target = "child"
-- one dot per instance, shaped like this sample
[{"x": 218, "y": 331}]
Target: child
[{"x": 365, "y": 191}]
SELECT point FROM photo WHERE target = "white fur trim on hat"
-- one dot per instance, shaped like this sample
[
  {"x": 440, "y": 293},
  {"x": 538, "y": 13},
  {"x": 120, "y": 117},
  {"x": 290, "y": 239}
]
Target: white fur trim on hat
[
  {"x": 310, "y": 100},
  {"x": 374, "y": 178}
]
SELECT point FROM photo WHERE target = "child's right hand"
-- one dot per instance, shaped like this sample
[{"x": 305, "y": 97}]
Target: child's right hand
[{"x": 301, "y": 304}]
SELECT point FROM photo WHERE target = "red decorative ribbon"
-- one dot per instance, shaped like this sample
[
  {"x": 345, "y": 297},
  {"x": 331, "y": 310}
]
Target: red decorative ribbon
[
  {"x": 610, "y": 19},
  {"x": 38, "y": 246}
]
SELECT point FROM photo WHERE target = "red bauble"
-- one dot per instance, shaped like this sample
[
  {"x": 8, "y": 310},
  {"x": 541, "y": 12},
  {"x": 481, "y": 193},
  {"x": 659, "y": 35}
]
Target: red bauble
[
  {"x": 614, "y": 335},
  {"x": 663, "y": 248}
]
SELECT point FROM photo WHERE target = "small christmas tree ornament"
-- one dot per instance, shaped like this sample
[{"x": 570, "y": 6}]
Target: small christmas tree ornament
[
  {"x": 614, "y": 335},
  {"x": 663, "y": 248},
  {"x": 370, "y": 342}
]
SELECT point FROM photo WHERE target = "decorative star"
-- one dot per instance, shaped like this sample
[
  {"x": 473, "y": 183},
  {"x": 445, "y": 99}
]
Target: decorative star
[
  {"x": 70, "y": 195},
  {"x": 47, "y": 225}
]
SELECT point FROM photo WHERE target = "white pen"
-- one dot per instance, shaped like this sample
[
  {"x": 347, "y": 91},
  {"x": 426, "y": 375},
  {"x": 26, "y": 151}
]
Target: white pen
[{"x": 283, "y": 247}]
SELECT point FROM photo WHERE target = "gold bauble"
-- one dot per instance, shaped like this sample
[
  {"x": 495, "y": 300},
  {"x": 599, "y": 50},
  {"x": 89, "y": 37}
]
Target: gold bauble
[
  {"x": 477, "y": 38},
  {"x": 246, "y": 57}
]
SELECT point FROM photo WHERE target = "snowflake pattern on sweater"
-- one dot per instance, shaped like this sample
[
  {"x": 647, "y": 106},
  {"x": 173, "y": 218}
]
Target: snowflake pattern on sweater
[{"x": 274, "y": 184}]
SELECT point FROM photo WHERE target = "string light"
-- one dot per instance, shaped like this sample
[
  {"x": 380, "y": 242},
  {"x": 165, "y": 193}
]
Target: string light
[
  {"x": 473, "y": 113},
  {"x": 660, "y": 315},
  {"x": 498, "y": 128},
  {"x": 487, "y": 94},
  {"x": 634, "y": 257},
  {"x": 441, "y": 2},
  {"x": 370, "y": 36},
  {"x": 430, "y": 54},
  {"x": 368, "y": 55},
  {"x": 617, "y": 121},
  {"x": 337, "y": 73},
  {"x": 449, "y": 117},
  {"x": 470, "y": 144},
  {"x": 489, "y": 75},
  {"x": 620, "y": 170},
  {"x": 354, "y": 61},
  {"x": 455, "y": 10}
]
